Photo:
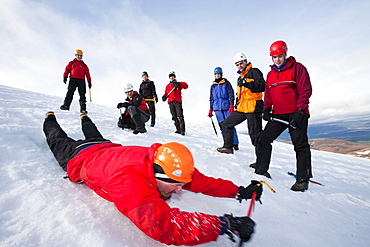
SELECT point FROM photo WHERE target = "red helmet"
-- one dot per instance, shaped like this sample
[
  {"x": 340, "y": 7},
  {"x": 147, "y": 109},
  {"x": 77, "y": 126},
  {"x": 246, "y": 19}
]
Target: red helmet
[{"x": 278, "y": 48}]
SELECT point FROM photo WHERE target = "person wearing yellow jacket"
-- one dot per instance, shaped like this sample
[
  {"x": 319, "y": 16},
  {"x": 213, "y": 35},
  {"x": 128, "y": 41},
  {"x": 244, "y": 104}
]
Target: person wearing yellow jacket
[{"x": 249, "y": 104}]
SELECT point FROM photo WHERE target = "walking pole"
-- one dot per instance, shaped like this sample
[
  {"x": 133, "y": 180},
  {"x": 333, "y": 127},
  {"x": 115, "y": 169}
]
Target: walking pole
[
  {"x": 213, "y": 124},
  {"x": 90, "y": 94}
]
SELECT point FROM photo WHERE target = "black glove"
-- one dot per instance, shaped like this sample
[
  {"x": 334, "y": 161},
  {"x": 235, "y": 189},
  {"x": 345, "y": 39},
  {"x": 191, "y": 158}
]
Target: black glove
[
  {"x": 124, "y": 104},
  {"x": 176, "y": 84},
  {"x": 246, "y": 193},
  {"x": 296, "y": 118},
  {"x": 65, "y": 80},
  {"x": 266, "y": 114},
  {"x": 240, "y": 226},
  {"x": 164, "y": 98},
  {"x": 89, "y": 84},
  {"x": 156, "y": 99}
]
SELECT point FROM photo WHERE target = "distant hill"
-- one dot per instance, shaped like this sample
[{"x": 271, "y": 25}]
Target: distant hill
[
  {"x": 345, "y": 136},
  {"x": 356, "y": 129}
]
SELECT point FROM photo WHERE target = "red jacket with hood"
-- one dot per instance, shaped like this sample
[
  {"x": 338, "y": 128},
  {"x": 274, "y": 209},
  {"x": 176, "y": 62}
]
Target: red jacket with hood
[
  {"x": 78, "y": 70},
  {"x": 288, "y": 89},
  {"x": 175, "y": 95},
  {"x": 124, "y": 175}
]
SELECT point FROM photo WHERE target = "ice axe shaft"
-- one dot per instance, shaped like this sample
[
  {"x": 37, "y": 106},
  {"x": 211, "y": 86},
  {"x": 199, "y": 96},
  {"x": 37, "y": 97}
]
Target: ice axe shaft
[
  {"x": 214, "y": 127},
  {"x": 314, "y": 182},
  {"x": 282, "y": 121},
  {"x": 253, "y": 199},
  {"x": 90, "y": 94}
]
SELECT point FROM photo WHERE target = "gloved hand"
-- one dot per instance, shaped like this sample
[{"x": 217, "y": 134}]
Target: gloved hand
[
  {"x": 119, "y": 105},
  {"x": 231, "y": 109},
  {"x": 164, "y": 98},
  {"x": 89, "y": 84},
  {"x": 266, "y": 114},
  {"x": 176, "y": 84},
  {"x": 65, "y": 80},
  {"x": 246, "y": 193},
  {"x": 296, "y": 118},
  {"x": 243, "y": 227},
  {"x": 124, "y": 104},
  {"x": 210, "y": 113},
  {"x": 156, "y": 99}
]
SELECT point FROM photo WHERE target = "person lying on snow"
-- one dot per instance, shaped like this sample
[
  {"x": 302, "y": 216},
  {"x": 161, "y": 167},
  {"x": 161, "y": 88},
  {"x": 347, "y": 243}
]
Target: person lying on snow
[{"x": 139, "y": 179}]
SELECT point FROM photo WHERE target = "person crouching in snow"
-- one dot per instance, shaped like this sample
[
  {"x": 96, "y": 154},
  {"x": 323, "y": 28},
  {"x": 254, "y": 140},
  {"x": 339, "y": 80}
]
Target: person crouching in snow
[
  {"x": 136, "y": 113},
  {"x": 138, "y": 179}
]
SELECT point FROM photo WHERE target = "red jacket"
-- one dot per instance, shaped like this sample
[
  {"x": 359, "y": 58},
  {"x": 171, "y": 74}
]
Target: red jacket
[
  {"x": 175, "y": 95},
  {"x": 78, "y": 70},
  {"x": 124, "y": 175},
  {"x": 288, "y": 89},
  {"x": 138, "y": 101}
]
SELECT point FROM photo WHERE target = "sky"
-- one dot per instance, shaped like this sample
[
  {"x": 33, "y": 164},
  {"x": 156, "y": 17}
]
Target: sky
[
  {"x": 120, "y": 39},
  {"x": 40, "y": 208}
]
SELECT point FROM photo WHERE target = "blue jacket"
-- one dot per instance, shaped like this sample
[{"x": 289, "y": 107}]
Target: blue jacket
[{"x": 222, "y": 95}]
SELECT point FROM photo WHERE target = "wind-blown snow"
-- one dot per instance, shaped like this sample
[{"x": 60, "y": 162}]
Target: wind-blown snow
[{"x": 40, "y": 208}]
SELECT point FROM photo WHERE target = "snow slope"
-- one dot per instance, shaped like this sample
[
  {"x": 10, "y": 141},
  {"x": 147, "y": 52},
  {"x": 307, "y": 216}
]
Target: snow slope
[{"x": 40, "y": 208}]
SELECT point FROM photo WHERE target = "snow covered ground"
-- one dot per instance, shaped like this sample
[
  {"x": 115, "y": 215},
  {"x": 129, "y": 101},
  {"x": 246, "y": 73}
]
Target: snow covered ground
[{"x": 40, "y": 208}]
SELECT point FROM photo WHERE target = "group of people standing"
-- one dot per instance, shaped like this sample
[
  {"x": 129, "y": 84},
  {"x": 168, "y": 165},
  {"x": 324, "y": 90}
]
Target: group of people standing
[
  {"x": 282, "y": 100},
  {"x": 138, "y": 179}
]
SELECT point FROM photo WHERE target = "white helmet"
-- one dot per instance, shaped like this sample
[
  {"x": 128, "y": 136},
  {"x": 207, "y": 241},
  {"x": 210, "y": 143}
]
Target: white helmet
[
  {"x": 128, "y": 87},
  {"x": 172, "y": 73},
  {"x": 239, "y": 57}
]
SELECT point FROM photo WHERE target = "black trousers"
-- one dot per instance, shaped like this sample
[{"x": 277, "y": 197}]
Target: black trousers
[
  {"x": 65, "y": 148},
  {"x": 299, "y": 139},
  {"x": 254, "y": 121},
  {"x": 73, "y": 84},
  {"x": 151, "y": 105},
  {"x": 177, "y": 116}
]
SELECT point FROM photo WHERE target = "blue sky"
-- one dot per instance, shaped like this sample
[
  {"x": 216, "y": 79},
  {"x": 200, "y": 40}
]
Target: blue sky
[{"x": 120, "y": 39}]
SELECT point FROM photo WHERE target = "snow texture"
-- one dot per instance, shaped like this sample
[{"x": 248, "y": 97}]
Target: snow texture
[{"x": 40, "y": 208}]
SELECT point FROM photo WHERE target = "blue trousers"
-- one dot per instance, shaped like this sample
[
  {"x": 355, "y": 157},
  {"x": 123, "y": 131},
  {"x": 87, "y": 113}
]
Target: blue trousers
[{"x": 221, "y": 116}]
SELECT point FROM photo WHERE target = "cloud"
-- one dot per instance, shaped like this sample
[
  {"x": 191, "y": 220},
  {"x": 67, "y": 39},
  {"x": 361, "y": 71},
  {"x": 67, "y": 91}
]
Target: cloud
[{"x": 123, "y": 38}]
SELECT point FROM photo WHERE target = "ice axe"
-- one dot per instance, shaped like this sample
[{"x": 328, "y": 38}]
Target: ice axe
[
  {"x": 214, "y": 127},
  {"x": 283, "y": 122},
  {"x": 90, "y": 94},
  {"x": 166, "y": 96}
]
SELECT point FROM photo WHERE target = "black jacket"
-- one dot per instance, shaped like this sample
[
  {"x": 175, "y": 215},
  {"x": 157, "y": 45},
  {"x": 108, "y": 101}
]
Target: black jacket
[{"x": 147, "y": 89}]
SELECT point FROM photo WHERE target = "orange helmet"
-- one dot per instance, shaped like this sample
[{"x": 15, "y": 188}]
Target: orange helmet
[
  {"x": 176, "y": 161},
  {"x": 79, "y": 52},
  {"x": 278, "y": 48}
]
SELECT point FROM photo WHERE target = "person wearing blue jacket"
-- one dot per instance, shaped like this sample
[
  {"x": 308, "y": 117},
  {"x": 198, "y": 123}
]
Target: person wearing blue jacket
[{"x": 222, "y": 101}]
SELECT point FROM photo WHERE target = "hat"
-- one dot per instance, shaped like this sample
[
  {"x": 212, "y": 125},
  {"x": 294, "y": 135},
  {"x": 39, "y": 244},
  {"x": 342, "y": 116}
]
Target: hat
[{"x": 144, "y": 73}]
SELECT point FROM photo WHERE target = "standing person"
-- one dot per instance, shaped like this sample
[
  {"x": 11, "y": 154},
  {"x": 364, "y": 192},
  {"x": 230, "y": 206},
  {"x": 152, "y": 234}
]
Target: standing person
[
  {"x": 136, "y": 111},
  {"x": 288, "y": 89},
  {"x": 138, "y": 180},
  {"x": 77, "y": 71},
  {"x": 249, "y": 104},
  {"x": 147, "y": 90},
  {"x": 222, "y": 101},
  {"x": 173, "y": 94}
]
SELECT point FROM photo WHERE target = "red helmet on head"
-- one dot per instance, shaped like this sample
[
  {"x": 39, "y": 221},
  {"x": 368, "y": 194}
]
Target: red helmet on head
[{"x": 278, "y": 48}]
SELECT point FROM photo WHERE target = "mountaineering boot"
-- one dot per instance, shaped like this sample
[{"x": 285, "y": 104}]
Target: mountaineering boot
[
  {"x": 225, "y": 150},
  {"x": 83, "y": 106},
  {"x": 49, "y": 116},
  {"x": 266, "y": 174},
  {"x": 64, "y": 107},
  {"x": 85, "y": 118},
  {"x": 253, "y": 165},
  {"x": 236, "y": 147},
  {"x": 300, "y": 185},
  {"x": 139, "y": 130}
]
